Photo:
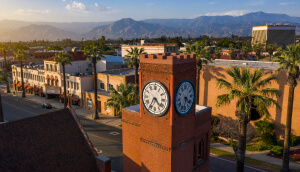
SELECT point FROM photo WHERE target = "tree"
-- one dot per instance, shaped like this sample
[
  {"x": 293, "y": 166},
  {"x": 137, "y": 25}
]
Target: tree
[
  {"x": 3, "y": 78},
  {"x": 64, "y": 59},
  {"x": 257, "y": 48},
  {"x": 289, "y": 61},
  {"x": 203, "y": 56},
  {"x": 271, "y": 48},
  {"x": 54, "y": 47},
  {"x": 218, "y": 52},
  {"x": 232, "y": 52},
  {"x": 124, "y": 97},
  {"x": 249, "y": 92},
  {"x": 245, "y": 50},
  {"x": 4, "y": 49},
  {"x": 21, "y": 55},
  {"x": 94, "y": 52},
  {"x": 133, "y": 59}
]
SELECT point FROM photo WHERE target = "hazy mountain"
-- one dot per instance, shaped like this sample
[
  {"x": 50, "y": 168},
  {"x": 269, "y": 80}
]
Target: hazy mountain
[
  {"x": 37, "y": 32},
  {"x": 129, "y": 28}
]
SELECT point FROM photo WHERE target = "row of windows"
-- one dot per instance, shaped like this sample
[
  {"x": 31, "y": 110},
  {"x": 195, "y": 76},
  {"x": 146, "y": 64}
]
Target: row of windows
[
  {"x": 110, "y": 86},
  {"x": 51, "y": 67},
  {"x": 31, "y": 76},
  {"x": 72, "y": 85}
]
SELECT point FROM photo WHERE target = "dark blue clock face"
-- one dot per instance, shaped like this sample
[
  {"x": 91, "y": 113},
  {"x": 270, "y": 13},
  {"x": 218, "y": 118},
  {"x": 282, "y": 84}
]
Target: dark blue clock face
[{"x": 184, "y": 97}]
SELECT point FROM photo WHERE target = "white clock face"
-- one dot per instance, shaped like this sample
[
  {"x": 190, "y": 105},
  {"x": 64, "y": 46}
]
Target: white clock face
[
  {"x": 184, "y": 98},
  {"x": 155, "y": 98}
]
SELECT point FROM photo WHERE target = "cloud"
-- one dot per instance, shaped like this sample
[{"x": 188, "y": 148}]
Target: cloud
[
  {"x": 76, "y": 6},
  {"x": 33, "y": 11},
  {"x": 229, "y": 13},
  {"x": 96, "y": 4},
  {"x": 63, "y": 0},
  {"x": 287, "y": 3}
]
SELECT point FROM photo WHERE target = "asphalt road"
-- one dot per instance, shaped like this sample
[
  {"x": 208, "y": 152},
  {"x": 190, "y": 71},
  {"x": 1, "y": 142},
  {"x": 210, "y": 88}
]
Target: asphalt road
[{"x": 106, "y": 139}]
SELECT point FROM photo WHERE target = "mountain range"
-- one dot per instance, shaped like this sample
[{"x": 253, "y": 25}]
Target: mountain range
[{"x": 127, "y": 28}]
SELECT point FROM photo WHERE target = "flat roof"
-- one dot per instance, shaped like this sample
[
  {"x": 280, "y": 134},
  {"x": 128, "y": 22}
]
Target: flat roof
[
  {"x": 245, "y": 63},
  {"x": 124, "y": 72},
  {"x": 101, "y": 92}
]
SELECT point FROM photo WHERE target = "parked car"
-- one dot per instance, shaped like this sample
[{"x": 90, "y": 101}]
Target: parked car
[{"x": 47, "y": 106}]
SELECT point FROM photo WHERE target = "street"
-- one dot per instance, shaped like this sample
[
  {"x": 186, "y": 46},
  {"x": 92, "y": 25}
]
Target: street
[{"x": 106, "y": 139}]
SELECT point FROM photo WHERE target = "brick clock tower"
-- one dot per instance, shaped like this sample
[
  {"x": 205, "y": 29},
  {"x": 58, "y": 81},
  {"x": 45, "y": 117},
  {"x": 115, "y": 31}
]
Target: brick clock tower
[{"x": 166, "y": 131}]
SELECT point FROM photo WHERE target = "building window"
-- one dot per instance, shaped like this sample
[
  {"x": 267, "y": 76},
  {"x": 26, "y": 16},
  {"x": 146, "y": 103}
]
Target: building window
[
  {"x": 89, "y": 102},
  {"x": 107, "y": 108},
  {"x": 55, "y": 68},
  {"x": 101, "y": 86},
  {"x": 77, "y": 86},
  {"x": 72, "y": 85},
  {"x": 118, "y": 88},
  {"x": 68, "y": 84}
]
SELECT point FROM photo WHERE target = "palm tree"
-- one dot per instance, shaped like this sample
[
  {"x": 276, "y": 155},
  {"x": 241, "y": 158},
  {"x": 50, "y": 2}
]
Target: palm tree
[
  {"x": 4, "y": 49},
  {"x": 64, "y": 59},
  {"x": 218, "y": 52},
  {"x": 21, "y": 55},
  {"x": 94, "y": 52},
  {"x": 289, "y": 61},
  {"x": 232, "y": 52},
  {"x": 133, "y": 59},
  {"x": 203, "y": 56},
  {"x": 271, "y": 48},
  {"x": 3, "y": 78},
  {"x": 257, "y": 48},
  {"x": 249, "y": 92},
  {"x": 124, "y": 97},
  {"x": 245, "y": 50}
]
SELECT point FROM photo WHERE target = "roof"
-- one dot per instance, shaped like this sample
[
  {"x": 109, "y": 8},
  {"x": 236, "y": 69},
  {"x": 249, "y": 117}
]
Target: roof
[
  {"x": 245, "y": 63},
  {"x": 120, "y": 72},
  {"x": 101, "y": 92},
  {"x": 113, "y": 60},
  {"x": 54, "y": 141}
]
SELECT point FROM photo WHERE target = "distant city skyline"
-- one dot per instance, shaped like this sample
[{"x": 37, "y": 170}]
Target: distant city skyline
[{"x": 111, "y": 10}]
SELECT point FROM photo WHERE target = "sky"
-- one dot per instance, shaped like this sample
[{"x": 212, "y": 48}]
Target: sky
[{"x": 112, "y": 10}]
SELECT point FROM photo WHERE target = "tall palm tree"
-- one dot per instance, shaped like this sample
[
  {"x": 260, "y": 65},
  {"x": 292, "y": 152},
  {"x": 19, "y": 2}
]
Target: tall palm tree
[
  {"x": 64, "y": 59},
  {"x": 289, "y": 61},
  {"x": 245, "y": 50},
  {"x": 3, "y": 78},
  {"x": 124, "y": 97},
  {"x": 271, "y": 48},
  {"x": 232, "y": 52},
  {"x": 249, "y": 92},
  {"x": 21, "y": 55},
  {"x": 203, "y": 56},
  {"x": 257, "y": 48},
  {"x": 94, "y": 52},
  {"x": 4, "y": 49},
  {"x": 133, "y": 59}
]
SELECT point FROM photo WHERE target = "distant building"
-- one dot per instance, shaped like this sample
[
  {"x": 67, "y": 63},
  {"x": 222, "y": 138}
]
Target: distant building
[
  {"x": 282, "y": 35},
  {"x": 152, "y": 48}
]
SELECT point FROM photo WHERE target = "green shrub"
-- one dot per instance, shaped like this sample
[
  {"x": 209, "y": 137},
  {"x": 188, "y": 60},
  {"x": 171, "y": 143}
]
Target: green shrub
[
  {"x": 269, "y": 138},
  {"x": 295, "y": 140},
  {"x": 277, "y": 150},
  {"x": 258, "y": 147},
  {"x": 264, "y": 126},
  {"x": 214, "y": 121}
]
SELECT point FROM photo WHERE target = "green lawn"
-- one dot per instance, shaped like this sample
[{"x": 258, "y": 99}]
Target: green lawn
[{"x": 248, "y": 160}]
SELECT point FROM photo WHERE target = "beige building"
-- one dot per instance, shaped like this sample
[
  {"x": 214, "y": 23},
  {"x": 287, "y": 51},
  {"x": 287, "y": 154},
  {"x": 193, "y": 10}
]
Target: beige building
[
  {"x": 151, "y": 48},
  {"x": 282, "y": 35},
  {"x": 107, "y": 79}
]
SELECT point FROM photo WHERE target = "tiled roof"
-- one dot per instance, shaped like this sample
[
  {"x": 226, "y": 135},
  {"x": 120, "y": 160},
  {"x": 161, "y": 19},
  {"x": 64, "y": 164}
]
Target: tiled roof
[{"x": 55, "y": 141}]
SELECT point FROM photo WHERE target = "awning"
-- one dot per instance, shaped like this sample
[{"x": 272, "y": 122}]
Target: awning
[
  {"x": 35, "y": 89},
  {"x": 74, "y": 99},
  {"x": 51, "y": 79},
  {"x": 25, "y": 86},
  {"x": 13, "y": 83},
  {"x": 41, "y": 90},
  {"x": 19, "y": 85},
  {"x": 29, "y": 88},
  {"x": 47, "y": 78},
  {"x": 55, "y": 80}
]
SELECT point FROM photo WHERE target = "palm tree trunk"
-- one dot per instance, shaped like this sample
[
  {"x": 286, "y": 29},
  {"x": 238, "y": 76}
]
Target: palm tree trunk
[
  {"x": 288, "y": 126},
  {"x": 6, "y": 68},
  {"x": 96, "y": 116},
  {"x": 241, "y": 149},
  {"x": 136, "y": 77},
  {"x": 23, "y": 90},
  {"x": 65, "y": 86},
  {"x": 197, "y": 85},
  {"x": 1, "y": 110}
]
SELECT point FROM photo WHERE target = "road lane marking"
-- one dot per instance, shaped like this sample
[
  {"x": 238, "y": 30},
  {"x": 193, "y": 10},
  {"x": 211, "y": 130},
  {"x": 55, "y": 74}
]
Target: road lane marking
[
  {"x": 19, "y": 108},
  {"x": 216, "y": 156},
  {"x": 114, "y": 133},
  {"x": 104, "y": 138}
]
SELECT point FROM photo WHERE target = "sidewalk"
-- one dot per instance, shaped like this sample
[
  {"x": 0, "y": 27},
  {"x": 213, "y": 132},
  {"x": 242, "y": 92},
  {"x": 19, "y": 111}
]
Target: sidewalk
[
  {"x": 260, "y": 155},
  {"x": 105, "y": 119}
]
